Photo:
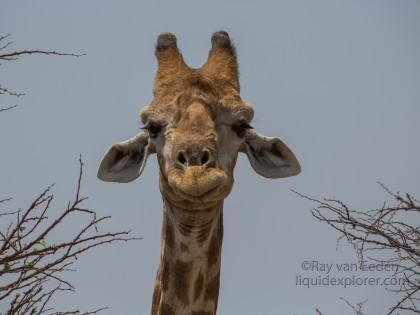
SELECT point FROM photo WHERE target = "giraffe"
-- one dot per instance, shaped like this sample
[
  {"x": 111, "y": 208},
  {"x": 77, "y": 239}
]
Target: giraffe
[{"x": 196, "y": 124}]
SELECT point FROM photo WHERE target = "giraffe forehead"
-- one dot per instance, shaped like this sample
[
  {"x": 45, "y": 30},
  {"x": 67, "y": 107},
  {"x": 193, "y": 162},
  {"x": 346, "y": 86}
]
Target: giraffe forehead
[{"x": 181, "y": 107}]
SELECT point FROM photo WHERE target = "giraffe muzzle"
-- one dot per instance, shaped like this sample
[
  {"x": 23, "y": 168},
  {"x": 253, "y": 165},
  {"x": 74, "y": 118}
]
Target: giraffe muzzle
[{"x": 197, "y": 181}]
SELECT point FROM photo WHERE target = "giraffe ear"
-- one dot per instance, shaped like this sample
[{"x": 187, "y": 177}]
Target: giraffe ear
[
  {"x": 125, "y": 161},
  {"x": 270, "y": 157}
]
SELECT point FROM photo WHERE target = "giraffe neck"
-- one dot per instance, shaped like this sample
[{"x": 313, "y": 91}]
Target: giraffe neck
[{"x": 187, "y": 282}]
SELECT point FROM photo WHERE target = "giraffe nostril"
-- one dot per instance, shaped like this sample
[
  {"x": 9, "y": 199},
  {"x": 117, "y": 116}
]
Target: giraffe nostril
[
  {"x": 181, "y": 158},
  {"x": 205, "y": 158}
]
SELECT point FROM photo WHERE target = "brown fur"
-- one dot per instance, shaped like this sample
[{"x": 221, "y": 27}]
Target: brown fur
[
  {"x": 166, "y": 272},
  {"x": 214, "y": 249},
  {"x": 182, "y": 281},
  {"x": 157, "y": 293},
  {"x": 166, "y": 309},
  {"x": 198, "y": 287},
  {"x": 212, "y": 289},
  {"x": 169, "y": 234}
]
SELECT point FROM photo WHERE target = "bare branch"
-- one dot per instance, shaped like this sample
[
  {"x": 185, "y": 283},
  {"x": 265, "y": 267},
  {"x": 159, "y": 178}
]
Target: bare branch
[
  {"x": 8, "y": 92},
  {"x": 33, "y": 268},
  {"x": 387, "y": 235},
  {"x": 7, "y": 108},
  {"x": 16, "y": 54},
  {"x": 358, "y": 308}
]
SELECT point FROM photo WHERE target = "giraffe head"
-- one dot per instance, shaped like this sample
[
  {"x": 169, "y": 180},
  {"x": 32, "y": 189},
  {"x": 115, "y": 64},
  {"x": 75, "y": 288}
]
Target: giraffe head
[{"x": 197, "y": 124}]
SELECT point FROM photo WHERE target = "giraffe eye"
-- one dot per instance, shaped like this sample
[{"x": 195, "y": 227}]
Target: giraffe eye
[
  {"x": 154, "y": 129},
  {"x": 241, "y": 129}
]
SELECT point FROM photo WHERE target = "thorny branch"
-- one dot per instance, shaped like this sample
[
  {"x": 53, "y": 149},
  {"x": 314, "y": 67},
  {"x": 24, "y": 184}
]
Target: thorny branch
[
  {"x": 32, "y": 265},
  {"x": 389, "y": 235},
  {"x": 357, "y": 309},
  {"x": 7, "y": 108},
  {"x": 15, "y": 55}
]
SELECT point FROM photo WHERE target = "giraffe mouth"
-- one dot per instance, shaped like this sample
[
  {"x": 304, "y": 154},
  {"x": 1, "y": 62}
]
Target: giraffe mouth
[{"x": 197, "y": 181}]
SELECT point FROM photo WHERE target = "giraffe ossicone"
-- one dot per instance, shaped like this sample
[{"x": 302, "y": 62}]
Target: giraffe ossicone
[{"x": 196, "y": 125}]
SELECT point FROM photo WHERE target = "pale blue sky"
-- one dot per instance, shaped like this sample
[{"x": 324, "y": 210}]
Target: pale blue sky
[{"x": 339, "y": 81}]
